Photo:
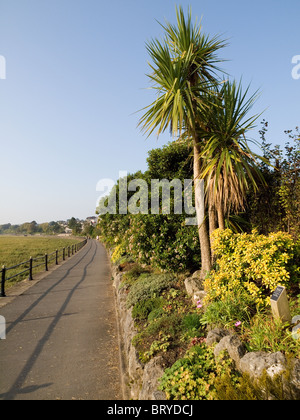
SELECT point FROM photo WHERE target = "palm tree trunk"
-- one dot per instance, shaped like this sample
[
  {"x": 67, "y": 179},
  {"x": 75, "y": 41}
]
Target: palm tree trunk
[
  {"x": 200, "y": 211},
  {"x": 221, "y": 218},
  {"x": 212, "y": 217}
]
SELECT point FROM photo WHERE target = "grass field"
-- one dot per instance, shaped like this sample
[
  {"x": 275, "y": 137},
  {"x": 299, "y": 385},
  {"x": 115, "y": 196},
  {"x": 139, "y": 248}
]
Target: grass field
[{"x": 17, "y": 249}]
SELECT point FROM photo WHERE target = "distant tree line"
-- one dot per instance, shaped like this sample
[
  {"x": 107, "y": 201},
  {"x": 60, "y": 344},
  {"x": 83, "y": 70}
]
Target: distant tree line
[
  {"x": 84, "y": 228},
  {"x": 78, "y": 227},
  {"x": 32, "y": 228}
]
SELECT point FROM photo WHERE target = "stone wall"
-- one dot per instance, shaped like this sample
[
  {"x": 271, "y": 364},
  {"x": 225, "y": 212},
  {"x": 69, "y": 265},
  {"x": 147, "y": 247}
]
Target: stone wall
[{"x": 141, "y": 381}]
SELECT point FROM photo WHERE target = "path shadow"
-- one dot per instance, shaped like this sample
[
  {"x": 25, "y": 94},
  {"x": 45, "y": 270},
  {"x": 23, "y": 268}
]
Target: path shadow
[{"x": 16, "y": 388}]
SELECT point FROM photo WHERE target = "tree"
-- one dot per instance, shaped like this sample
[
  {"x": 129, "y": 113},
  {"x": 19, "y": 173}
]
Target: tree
[
  {"x": 228, "y": 164},
  {"x": 55, "y": 228},
  {"x": 75, "y": 225},
  {"x": 276, "y": 206},
  {"x": 184, "y": 69}
]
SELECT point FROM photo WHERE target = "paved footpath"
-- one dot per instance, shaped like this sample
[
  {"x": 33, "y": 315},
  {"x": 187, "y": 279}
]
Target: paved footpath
[{"x": 61, "y": 337}]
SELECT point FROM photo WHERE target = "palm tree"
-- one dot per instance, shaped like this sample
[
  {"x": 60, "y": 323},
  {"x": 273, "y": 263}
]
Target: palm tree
[
  {"x": 184, "y": 68},
  {"x": 228, "y": 164}
]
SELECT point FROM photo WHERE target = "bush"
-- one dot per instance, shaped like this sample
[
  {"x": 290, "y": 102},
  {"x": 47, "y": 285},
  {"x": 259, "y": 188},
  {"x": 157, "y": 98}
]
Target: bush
[
  {"x": 133, "y": 274},
  {"x": 119, "y": 251},
  {"x": 244, "y": 387},
  {"x": 157, "y": 336},
  {"x": 251, "y": 263},
  {"x": 163, "y": 241},
  {"x": 148, "y": 286},
  {"x": 193, "y": 376},
  {"x": 268, "y": 334},
  {"x": 191, "y": 323},
  {"x": 228, "y": 311},
  {"x": 155, "y": 314},
  {"x": 142, "y": 309}
]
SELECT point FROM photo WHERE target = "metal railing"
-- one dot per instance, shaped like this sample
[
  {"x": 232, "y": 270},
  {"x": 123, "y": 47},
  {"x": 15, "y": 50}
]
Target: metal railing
[{"x": 45, "y": 260}]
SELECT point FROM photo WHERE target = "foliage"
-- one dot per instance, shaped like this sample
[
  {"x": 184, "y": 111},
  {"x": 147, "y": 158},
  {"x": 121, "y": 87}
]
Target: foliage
[
  {"x": 264, "y": 333},
  {"x": 251, "y": 263},
  {"x": 228, "y": 164},
  {"x": 131, "y": 275},
  {"x": 32, "y": 228},
  {"x": 191, "y": 322},
  {"x": 289, "y": 191},
  {"x": 183, "y": 66},
  {"x": 143, "y": 308},
  {"x": 234, "y": 308},
  {"x": 275, "y": 206},
  {"x": 167, "y": 322},
  {"x": 163, "y": 241},
  {"x": 148, "y": 286},
  {"x": 157, "y": 346},
  {"x": 118, "y": 252},
  {"x": 75, "y": 225},
  {"x": 160, "y": 240},
  {"x": 159, "y": 330},
  {"x": 244, "y": 387},
  {"x": 193, "y": 376},
  {"x": 172, "y": 160}
]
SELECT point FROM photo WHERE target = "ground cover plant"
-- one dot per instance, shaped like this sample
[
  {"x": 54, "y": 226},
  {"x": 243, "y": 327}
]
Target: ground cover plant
[{"x": 165, "y": 317}]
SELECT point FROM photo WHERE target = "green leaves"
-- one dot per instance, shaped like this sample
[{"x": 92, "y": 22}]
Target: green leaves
[
  {"x": 227, "y": 161},
  {"x": 183, "y": 67}
]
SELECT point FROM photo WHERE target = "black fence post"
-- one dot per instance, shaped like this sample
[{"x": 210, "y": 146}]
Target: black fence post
[
  {"x": 64, "y": 254},
  {"x": 2, "y": 293},
  {"x": 56, "y": 257},
  {"x": 46, "y": 262},
  {"x": 68, "y": 252},
  {"x": 30, "y": 269}
]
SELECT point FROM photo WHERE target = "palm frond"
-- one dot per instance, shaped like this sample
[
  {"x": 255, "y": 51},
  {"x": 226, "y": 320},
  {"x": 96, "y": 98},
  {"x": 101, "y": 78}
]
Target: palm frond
[
  {"x": 183, "y": 68},
  {"x": 227, "y": 161}
]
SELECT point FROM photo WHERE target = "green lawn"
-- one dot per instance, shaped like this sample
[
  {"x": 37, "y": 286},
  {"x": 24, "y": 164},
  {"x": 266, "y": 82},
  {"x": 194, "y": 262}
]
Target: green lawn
[{"x": 17, "y": 249}]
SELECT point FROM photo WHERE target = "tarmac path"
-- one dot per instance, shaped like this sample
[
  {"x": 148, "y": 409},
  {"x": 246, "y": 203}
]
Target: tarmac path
[{"x": 61, "y": 335}]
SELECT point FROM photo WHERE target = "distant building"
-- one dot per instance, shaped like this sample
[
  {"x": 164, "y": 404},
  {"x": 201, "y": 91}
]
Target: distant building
[{"x": 92, "y": 220}]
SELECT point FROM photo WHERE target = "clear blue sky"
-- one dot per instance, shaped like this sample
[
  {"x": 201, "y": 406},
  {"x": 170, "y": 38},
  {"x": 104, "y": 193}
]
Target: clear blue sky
[{"x": 75, "y": 76}]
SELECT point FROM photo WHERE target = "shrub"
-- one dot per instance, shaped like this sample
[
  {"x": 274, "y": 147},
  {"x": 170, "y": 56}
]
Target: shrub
[
  {"x": 142, "y": 309},
  {"x": 251, "y": 263},
  {"x": 228, "y": 311},
  {"x": 148, "y": 286},
  {"x": 191, "y": 323},
  {"x": 155, "y": 314},
  {"x": 133, "y": 274},
  {"x": 163, "y": 241},
  {"x": 157, "y": 336},
  {"x": 118, "y": 253},
  {"x": 193, "y": 376},
  {"x": 244, "y": 387},
  {"x": 268, "y": 334}
]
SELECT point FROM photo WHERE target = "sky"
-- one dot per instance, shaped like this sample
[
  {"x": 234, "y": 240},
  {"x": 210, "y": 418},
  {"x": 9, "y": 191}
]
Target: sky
[{"x": 73, "y": 76}]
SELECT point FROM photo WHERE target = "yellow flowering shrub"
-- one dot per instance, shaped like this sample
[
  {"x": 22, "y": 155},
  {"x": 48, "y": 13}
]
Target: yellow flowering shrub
[
  {"x": 118, "y": 253},
  {"x": 251, "y": 262}
]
